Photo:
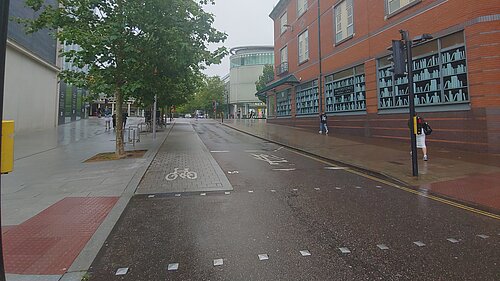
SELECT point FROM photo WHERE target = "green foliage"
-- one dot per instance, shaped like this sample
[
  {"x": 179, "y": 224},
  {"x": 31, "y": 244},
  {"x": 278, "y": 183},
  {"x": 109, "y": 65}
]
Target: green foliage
[
  {"x": 211, "y": 89},
  {"x": 133, "y": 48},
  {"x": 266, "y": 77}
]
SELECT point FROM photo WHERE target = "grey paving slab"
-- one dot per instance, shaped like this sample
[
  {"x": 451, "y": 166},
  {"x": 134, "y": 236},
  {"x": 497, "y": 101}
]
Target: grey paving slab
[{"x": 196, "y": 170}]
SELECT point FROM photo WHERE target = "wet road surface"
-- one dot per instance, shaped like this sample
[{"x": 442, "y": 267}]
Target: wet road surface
[{"x": 355, "y": 228}]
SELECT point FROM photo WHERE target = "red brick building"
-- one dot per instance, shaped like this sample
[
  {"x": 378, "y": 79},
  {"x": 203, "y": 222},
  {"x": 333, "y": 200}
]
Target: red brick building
[{"x": 456, "y": 74}]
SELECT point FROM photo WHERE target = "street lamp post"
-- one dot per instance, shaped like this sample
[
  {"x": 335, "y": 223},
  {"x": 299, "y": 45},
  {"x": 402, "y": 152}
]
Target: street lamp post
[{"x": 4, "y": 20}]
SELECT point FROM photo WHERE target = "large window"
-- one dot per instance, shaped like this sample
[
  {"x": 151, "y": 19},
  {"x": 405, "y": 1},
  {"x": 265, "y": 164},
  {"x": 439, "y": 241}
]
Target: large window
[
  {"x": 271, "y": 109},
  {"x": 252, "y": 59},
  {"x": 439, "y": 75},
  {"x": 303, "y": 46},
  {"x": 344, "y": 21},
  {"x": 284, "y": 54},
  {"x": 395, "y": 5},
  {"x": 283, "y": 22},
  {"x": 345, "y": 90},
  {"x": 283, "y": 103},
  {"x": 282, "y": 68},
  {"x": 301, "y": 7},
  {"x": 306, "y": 98}
]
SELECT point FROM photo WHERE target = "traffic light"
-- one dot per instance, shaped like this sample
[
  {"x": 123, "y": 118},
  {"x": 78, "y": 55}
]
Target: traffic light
[{"x": 397, "y": 58}]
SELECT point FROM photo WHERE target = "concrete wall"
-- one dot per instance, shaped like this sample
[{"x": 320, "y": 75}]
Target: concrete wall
[
  {"x": 30, "y": 91},
  {"x": 242, "y": 83}
]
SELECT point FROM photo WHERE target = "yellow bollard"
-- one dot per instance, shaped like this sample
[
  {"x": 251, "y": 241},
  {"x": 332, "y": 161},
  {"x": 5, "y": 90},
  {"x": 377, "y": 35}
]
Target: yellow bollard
[{"x": 7, "y": 161}]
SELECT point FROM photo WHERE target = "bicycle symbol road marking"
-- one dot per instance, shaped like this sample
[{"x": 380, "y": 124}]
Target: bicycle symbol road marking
[
  {"x": 182, "y": 173},
  {"x": 271, "y": 159}
]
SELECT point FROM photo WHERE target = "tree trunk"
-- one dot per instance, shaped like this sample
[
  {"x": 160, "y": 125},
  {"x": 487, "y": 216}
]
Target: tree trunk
[{"x": 120, "y": 148}]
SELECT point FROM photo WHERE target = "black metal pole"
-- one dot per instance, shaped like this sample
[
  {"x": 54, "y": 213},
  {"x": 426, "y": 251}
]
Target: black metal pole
[
  {"x": 320, "y": 86},
  {"x": 4, "y": 21},
  {"x": 408, "y": 43}
]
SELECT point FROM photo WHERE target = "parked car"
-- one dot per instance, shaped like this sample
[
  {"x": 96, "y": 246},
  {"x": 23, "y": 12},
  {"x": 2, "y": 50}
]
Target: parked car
[{"x": 187, "y": 116}]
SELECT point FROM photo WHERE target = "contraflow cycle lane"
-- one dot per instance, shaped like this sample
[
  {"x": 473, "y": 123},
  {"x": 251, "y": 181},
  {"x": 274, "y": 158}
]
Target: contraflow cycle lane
[
  {"x": 310, "y": 222},
  {"x": 183, "y": 164}
]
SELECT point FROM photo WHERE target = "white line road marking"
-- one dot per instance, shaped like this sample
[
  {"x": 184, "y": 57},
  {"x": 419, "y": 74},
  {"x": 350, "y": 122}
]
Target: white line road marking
[
  {"x": 278, "y": 149},
  {"x": 338, "y": 188},
  {"x": 218, "y": 262},
  {"x": 317, "y": 189},
  {"x": 483, "y": 236},
  {"x": 151, "y": 196},
  {"x": 335, "y": 168},
  {"x": 273, "y": 190},
  {"x": 252, "y": 151},
  {"x": 453, "y": 240},
  {"x": 271, "y": 159},
  {"x": 250, "y": 191},
  {"x": 219, "y": 151},
  {"x": 286, "y": 170},
  {"x": 203, "y": 194},
  {"x": 233, "y": 172}
]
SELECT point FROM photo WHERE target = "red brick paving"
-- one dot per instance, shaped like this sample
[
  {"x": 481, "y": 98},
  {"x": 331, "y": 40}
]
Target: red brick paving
[
  {"x": 482, "y": 189},
  {"x": 48, "y": 243}
]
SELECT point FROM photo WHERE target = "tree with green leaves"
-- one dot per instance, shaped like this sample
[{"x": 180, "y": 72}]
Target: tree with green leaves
[
  {"x": 266, "y": 77},
  {"x": 210, "y": 91},
  {"x": 133, "y": 48}
]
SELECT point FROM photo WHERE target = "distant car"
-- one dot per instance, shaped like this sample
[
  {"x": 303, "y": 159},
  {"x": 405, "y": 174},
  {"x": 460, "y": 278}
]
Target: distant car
[{"x": 187, "y": 116}]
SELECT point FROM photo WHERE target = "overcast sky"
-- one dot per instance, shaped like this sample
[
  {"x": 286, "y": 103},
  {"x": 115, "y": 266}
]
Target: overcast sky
[{"x": 246, "y": 23}]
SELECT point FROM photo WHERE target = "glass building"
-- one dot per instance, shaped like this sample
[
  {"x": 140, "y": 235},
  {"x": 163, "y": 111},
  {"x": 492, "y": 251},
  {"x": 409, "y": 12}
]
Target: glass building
[{"x": 247, "y": 64}]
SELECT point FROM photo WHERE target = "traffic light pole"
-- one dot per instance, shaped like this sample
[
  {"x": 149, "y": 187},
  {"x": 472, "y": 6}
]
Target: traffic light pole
[
  {"x": 411, "y": 101},
  {"x": 4, "y": 21}
]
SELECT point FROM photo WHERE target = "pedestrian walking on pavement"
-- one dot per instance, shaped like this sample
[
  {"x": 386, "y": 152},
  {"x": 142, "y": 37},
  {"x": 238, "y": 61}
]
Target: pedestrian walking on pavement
[
  {"x": 114, "y": 121},
  {"x": 423, "y": 129},
  {"x": 107, "y": 118},
  {"x": 322, "y": 123}
]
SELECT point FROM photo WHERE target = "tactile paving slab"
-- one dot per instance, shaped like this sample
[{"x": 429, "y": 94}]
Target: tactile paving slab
[{"x": 48, "y": 243}]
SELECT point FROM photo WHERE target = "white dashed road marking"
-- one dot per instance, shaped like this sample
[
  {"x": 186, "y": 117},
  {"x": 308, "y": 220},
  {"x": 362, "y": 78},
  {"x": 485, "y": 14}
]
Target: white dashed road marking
[
  {"x": 452, "y": 240},
  {"x": 305, "y": 253},
  {"x": 173, "y": 266},
  {"x": 263, "y": 257},
  {"x": 122, "y": 271},
  {"x": 382, "y": 247},
  {"x": 344, "y": 250},
  {"x": 218, "y": 262},
  {"x": 419, "y": 243}
]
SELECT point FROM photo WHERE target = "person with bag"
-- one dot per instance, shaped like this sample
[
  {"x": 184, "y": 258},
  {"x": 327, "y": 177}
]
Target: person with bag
[
  {"x": 423, "y": 129},
  {"x": 322, "y": 123}
]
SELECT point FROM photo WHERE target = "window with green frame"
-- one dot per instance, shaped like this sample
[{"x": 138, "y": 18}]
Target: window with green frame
[
  {"x": 345, "y": 90},
  {"x": 306, "y": 98},
  {"x": 283, "y": 103},
  {"x": 439, "y": 75}
]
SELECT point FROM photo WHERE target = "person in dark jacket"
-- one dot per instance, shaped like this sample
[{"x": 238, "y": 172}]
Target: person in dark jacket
[{"x": 322, "y": 123}]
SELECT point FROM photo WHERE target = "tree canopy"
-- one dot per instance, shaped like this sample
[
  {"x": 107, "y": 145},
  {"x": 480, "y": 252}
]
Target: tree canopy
[
  {"x": 211, "y": 90},
  {"x": 133, "y": 48},
  {"x": 266, "y": 77}
]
